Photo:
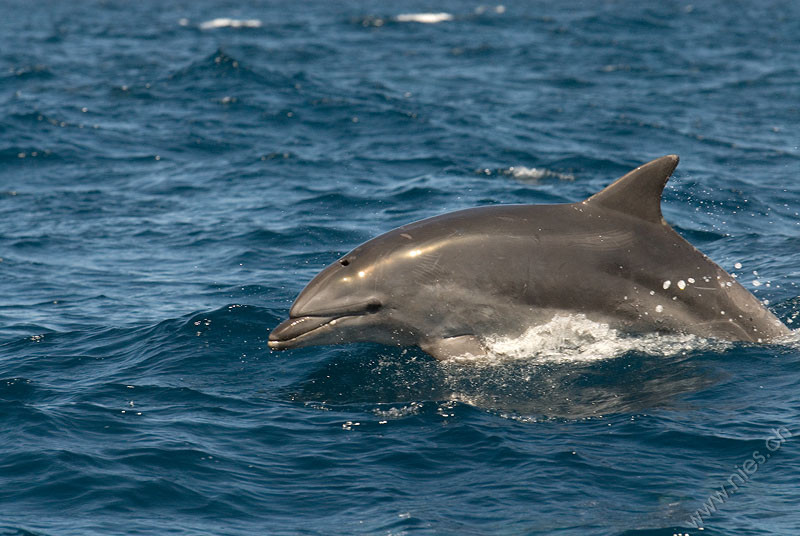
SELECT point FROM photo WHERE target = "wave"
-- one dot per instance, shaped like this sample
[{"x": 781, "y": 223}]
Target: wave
[
  {"x": 29, "y": 72},
  {"x": 424, "y": 18},
  {"x": 524, "y": 174},
  {"x": 209, "y": 71},
  {"x": 228, "y": 23},
  {"x": 569, "y": 369},
  {"x": 421, "y": 18}
]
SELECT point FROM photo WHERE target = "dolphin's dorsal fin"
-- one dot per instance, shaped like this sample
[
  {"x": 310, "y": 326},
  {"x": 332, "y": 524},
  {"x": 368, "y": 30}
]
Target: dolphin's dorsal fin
[{"x": 638, "y": 193}]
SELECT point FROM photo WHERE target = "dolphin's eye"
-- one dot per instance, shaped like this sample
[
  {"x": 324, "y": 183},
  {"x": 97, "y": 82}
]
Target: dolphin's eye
[
  {"x": 373, "y": 307},
  {"x": 344, "y": 262}
]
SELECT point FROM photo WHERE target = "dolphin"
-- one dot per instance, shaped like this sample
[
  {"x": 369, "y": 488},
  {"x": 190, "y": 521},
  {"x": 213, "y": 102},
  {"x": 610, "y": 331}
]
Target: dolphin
[{"x": 448, "y": 282}]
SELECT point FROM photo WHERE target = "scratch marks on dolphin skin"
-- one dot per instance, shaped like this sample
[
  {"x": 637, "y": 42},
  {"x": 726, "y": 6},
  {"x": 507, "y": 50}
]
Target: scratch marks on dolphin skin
[{"x": 427, "y": 266}]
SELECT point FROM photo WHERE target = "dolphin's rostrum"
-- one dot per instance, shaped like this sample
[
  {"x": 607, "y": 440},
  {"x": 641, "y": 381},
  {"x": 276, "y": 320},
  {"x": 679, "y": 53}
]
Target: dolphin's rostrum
[{"x": 448, "y": 282}]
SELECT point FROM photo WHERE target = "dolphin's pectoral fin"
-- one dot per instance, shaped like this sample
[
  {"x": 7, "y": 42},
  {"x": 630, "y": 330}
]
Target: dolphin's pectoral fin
[{"x": 464, "y": 345}]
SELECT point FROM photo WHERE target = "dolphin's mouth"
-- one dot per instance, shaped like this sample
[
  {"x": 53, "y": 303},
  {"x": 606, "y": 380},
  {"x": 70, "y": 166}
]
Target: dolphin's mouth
[{"x": 292, "y": 332}]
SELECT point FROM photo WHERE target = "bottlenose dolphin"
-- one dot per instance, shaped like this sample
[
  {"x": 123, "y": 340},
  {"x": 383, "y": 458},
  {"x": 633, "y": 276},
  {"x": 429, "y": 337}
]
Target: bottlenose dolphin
[{"x": 447, "y": 282}]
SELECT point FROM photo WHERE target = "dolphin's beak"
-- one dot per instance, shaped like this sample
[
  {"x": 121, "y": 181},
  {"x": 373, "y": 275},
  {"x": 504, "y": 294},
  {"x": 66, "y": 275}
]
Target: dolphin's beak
[
  {"x": 287, "y": 333},
  {"x": 299, "y": 329}
]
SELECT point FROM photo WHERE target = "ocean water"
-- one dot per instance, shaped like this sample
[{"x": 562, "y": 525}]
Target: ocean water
[{"x": 172, "y": 175}]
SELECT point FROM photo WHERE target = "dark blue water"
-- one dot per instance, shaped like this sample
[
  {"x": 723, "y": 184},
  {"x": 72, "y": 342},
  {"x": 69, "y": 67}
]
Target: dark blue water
[{"x": 168, "y": 184}]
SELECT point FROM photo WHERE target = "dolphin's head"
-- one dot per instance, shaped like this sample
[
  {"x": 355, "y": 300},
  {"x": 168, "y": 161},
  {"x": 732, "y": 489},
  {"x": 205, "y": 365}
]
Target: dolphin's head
[
  {"x": 419, "y": 283},
  {"x": 347, "y": 302}
]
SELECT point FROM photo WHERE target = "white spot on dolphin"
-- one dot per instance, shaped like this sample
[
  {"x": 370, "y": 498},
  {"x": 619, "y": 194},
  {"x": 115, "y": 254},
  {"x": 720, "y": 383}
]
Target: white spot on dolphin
[
  {"x": 659, "y": 308},
  {"x": 667, "y": 284},
  {"x": 681, "y": 284}
]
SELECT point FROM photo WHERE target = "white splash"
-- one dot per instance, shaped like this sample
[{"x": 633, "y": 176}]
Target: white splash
[
  {"x": 230, "y": 23},
  {"x": 424, "y": 18},
  {"x": 575, "y": 338},
  {"x": 398, "y": 413},
  {"x": 522, "y": 172},
  {"x": 499, "y": 9}
]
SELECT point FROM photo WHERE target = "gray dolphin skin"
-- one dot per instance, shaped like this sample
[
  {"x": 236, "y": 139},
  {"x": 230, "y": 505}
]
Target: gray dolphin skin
[{"x": 448, "y": 282}]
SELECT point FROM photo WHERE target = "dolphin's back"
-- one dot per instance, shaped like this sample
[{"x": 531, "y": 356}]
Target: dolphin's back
[{"x": 612, "y": 257}]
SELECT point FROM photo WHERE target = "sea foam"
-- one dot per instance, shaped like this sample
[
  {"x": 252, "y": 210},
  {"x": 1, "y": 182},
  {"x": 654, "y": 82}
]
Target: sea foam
[
  {"x": 424, "y": 18},
  {"x": 575, "y": 338},
  {"x": 230, "y": 23}
]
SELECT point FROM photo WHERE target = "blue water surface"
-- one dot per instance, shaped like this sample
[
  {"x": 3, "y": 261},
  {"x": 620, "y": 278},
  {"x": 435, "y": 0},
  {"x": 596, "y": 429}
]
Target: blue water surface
[{"x": 169, "y": 182}]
